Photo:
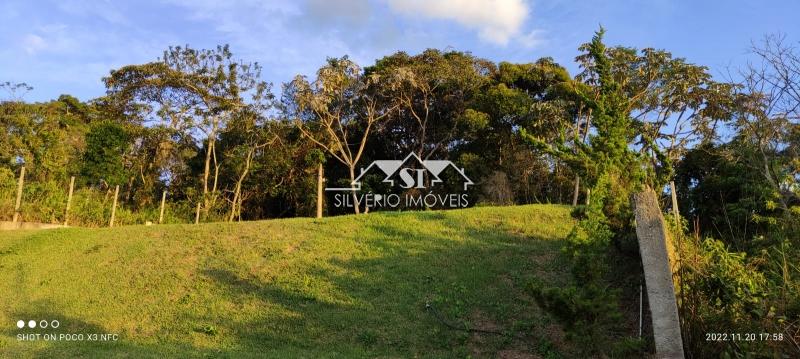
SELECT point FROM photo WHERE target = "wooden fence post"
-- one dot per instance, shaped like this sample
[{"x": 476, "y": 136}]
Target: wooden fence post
[
  {"x": 69, "y": 200},
  {"x": 163, "y": 198},
  {"x": 320, "y": 192},
  {"x": 19, "y": 194},
  {"x": 114, "y": 207}
]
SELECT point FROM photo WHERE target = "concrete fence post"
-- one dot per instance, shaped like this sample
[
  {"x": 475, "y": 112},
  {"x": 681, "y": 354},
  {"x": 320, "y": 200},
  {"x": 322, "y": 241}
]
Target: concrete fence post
[
  {"x": 114, "y": 207},
  {"x": 320, "y": 192},
  {"x": 197, "y": 214},
  {"x": 19, "y": 194},
  {"x": 69, "y": 200},
  {"x": 163, "y": 199},
  {"x": 654, "y": 247}
]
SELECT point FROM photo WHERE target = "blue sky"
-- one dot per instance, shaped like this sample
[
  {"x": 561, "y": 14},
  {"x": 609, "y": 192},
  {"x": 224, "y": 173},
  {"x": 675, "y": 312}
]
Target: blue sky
[{"x": 67, "y": 46}]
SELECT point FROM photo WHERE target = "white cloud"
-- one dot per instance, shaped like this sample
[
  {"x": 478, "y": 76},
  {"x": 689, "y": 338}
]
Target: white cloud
[
  {"x": 533, "y": 39},
  {"x": 496, "y": 21},
  {"x": 290, "y": 37},
  {"x": 33, "y": 43}
]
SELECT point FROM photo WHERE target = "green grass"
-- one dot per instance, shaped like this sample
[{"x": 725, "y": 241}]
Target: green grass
[{"x": 350, "y": 286}]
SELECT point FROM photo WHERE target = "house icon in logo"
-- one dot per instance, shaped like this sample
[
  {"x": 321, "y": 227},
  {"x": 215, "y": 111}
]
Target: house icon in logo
[{"x": 409, "y": 171}]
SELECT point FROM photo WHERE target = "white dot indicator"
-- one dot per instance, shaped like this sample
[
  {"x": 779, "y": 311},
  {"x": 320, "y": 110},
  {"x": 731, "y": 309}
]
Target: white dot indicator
[
  {"x": 31, "y": 324},
  {"x": 21, "y": 324}
]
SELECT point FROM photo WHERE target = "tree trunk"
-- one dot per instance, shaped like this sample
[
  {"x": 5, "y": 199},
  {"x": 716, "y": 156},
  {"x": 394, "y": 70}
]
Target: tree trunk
[
  {"x": 207, "y": 167},
  {"x": 239, "y": 208},
  {"x": 216, "y": 174},
  {"x": 352, "y": 185},
  {"x": 211, "y": 139},
  {"x": 675, "y": 203},
  {"x": 320, "y": 191},
  {"x": 206, "y": 171},
  {"x": 130, "y": 189},
  {"x": 577, "y": 190},
  {"x": 236, "y": 203}
]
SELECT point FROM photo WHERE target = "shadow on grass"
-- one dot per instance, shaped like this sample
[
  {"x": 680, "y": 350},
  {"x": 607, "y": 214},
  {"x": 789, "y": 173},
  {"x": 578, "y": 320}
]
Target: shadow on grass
[
  {"x": 76, "y": 338},
  {"x": 344, "y": 287},
  {"x": 375, "y": 304}
]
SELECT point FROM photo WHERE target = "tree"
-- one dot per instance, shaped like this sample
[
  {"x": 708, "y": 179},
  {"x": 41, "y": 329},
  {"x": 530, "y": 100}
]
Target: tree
[
  {"x": 535, "y": 97},
  {"x": 45, "y": 137},
  {"x": 249, "y": 134},
  {"x": 612, "y": 169},
  {"x": 720, "y": 190},
  {"x": 106, "y": 144},
  {"x": 338, "y": 111},
  {"x": 674, "y": 104},
  {"x": 769, "y": 120},
  {"x": 195, "y": 91},
  {"x": 429, "y": 94}
]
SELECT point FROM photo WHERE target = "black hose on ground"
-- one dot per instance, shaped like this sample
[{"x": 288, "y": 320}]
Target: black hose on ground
[{"x": 436, "y": 314}]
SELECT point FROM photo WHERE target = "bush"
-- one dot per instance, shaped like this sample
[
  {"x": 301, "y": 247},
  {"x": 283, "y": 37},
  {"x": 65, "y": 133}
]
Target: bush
[
  {"x": 8, "y": 184},
  {"x": 730, "y": 292},
  {"x": 45, "y": 202},
  {"x": 589, "y": 308}
]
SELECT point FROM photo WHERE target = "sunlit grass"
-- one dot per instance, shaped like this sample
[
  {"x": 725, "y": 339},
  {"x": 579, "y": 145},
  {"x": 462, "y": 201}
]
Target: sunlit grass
[{"x": 350, "y": 286}]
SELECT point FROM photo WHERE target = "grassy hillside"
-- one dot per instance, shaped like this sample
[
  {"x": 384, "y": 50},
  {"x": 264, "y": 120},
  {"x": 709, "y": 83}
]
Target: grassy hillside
[{"x": 351, "y": 286}]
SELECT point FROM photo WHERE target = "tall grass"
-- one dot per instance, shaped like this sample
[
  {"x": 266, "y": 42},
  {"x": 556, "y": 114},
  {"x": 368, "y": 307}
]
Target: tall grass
[
  {"x": 750, "y": 299},
  {"x": 46, "y": 202}
]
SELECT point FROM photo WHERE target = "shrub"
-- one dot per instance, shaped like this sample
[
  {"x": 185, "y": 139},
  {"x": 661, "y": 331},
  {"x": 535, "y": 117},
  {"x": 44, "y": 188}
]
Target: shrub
[{"x": 722, "y": 291}]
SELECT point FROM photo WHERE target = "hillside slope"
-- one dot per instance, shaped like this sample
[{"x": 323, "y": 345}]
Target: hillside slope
[{"x": 350, "y": 286}]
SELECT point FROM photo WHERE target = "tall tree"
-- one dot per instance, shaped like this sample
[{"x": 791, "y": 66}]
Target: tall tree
[
  {"x": 430, "y": 94},
  {"x": 674, "y": 104},
  {"x": 46, "y": 137},
  {"x": 106, "y": 144},
  {"x": 338, "y": 111},
  {"x": 769, "y": 119},
  {"x": 195, "y": 91},
  {"x": 536, "y": 97},
  {"x": 246, "y": 140},
  {"x": 612, "y": 168}
]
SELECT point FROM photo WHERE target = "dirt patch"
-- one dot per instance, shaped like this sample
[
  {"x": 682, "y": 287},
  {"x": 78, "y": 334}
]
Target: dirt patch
[
  {"x": 556, "y": 335},
  {"x": 291, "y": 248},
  {"x": 488, "y": 345},
  {"x": 479, "y": 343},
  {"x": 518, "y": 292},
  {"x": 7, "y": 226},
  {"x": 515, "y": 354},
  {"x": 478, "y": 319}
]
